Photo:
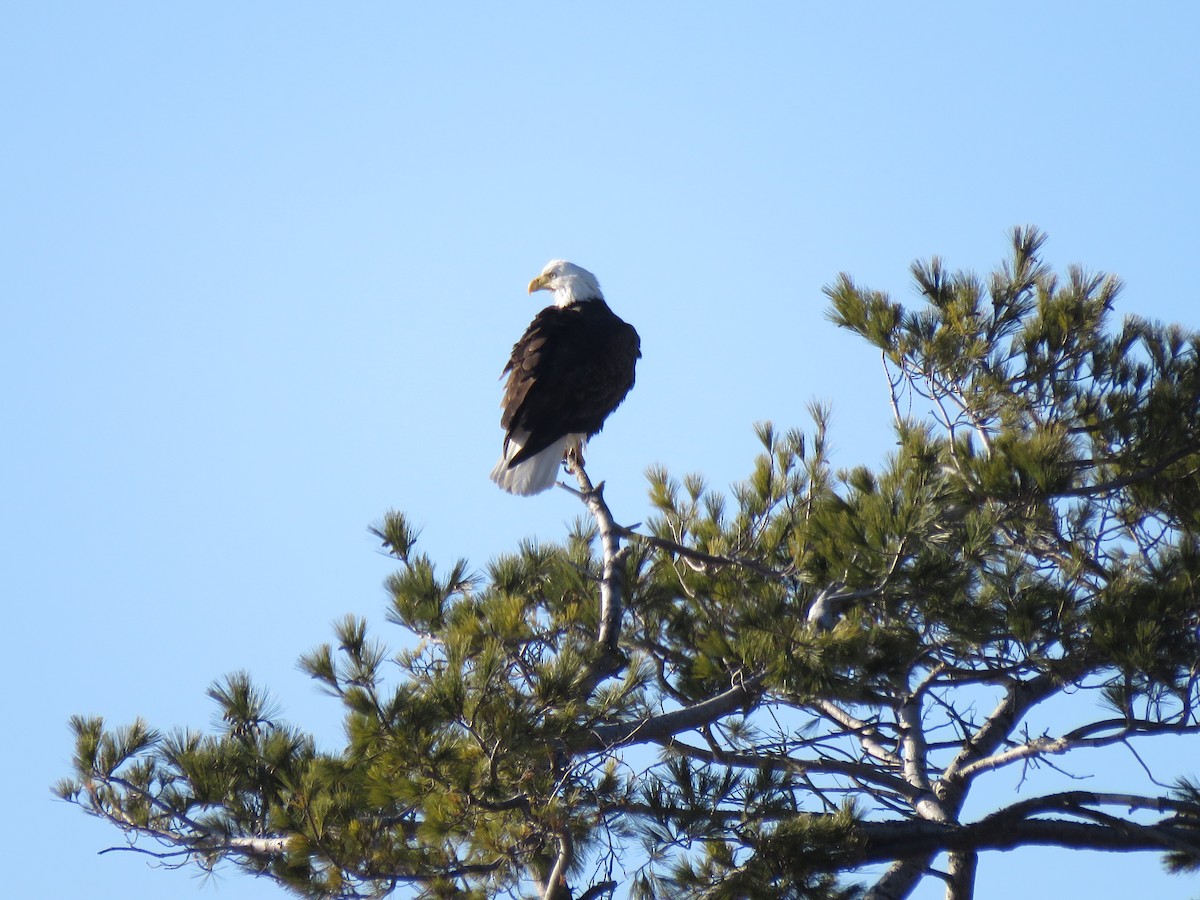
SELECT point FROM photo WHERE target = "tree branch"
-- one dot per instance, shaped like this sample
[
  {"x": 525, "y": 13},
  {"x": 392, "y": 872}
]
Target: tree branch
[
  {"x": 1075, "y": 739},
  {"x": 556, "y": 881},
  {"x": 658, "y": 728},
  {"x": 862, "y": 772},
  {"x": 703, "y": 561},
  {"x": 919, "y": 840},
  {"x": 609, "y": 659},
  {"x": 868, "y": 736},
  {"x": 909, "y": 868},
  {"x": 1017, "y": 700},
  {"x": 913, "y": 755},
  {"x": 267, "y": 847},
  {"x": 1125, "y": 481},
  {"x": 1069, "y": 801}
]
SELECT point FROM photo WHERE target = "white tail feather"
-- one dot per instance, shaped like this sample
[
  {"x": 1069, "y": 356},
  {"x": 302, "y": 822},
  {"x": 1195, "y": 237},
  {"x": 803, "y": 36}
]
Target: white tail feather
[{"x": 533, "y": 475}]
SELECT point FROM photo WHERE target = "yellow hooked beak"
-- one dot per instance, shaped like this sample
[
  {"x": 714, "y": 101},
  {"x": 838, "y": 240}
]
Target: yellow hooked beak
[{"x": 539, "y": 283}]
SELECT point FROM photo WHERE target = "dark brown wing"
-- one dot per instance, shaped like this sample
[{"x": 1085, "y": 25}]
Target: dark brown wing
[{"x": 572, "y": 367}]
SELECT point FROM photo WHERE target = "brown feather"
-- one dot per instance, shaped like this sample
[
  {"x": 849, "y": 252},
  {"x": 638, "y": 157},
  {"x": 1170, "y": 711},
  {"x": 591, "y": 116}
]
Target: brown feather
[{"x": 568, "y": 372}]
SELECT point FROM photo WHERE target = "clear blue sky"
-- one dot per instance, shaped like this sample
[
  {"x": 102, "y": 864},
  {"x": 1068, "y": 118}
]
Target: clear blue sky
[{"x": 260, "y": 265}]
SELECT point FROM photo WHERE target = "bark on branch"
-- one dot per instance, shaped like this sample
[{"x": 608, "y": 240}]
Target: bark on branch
[
  {"x": 608, "y": 660},
  {"x": 657, "y": 729},
  {"x": 700, "y": 561},
  {"x": 888, "y": 841}
]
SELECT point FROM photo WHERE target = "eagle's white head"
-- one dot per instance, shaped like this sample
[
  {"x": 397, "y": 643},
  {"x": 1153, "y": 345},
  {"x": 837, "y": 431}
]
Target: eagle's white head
[{"x": 569, "y": 282}]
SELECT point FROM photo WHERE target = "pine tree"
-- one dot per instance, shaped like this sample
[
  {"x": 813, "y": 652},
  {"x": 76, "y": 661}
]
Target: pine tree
[{"x": 756, "y": 693}]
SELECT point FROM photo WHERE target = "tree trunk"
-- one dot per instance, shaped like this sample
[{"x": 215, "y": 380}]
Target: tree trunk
[
  {"x": 961, "y": 885},
  {"x": 899, "y": 880}
]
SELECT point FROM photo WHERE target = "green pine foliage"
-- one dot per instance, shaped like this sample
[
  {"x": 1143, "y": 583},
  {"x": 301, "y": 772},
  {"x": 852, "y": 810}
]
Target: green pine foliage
[{"x": 814, "y": 670}]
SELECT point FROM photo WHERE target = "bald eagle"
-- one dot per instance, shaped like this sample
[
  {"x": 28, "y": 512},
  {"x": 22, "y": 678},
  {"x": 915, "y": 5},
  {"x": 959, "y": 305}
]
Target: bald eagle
[{"x": 572, "y": 367}]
